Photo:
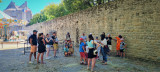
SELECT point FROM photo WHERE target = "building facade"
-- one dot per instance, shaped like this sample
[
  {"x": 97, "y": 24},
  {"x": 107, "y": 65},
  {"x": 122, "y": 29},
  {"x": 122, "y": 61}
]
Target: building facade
[{"x": 19, "y": 12}]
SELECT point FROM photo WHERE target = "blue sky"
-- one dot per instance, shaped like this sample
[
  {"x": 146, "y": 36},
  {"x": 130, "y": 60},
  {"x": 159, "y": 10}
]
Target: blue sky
[{"x": 35, "y": 5}]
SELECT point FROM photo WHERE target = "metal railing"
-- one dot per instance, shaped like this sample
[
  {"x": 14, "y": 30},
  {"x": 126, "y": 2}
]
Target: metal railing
[{"x": 60, "y": 46}]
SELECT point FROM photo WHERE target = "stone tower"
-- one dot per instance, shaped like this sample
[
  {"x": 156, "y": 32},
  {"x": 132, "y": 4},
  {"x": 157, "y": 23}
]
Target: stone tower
[{"x": 19, "y": 12}]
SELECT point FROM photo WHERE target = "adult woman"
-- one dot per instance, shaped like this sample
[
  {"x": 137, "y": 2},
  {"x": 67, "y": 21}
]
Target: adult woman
[
  {"x": 41, "y": 47},
  {"x": 68, "y": 37},
  {"x": 91, "y": 54},
  {"x": 49, "y": 43},
  {"x": 104, "y": 49}
]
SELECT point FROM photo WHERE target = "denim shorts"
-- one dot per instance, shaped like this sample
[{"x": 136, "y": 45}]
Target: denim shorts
[{"x": 48, "y": 46}]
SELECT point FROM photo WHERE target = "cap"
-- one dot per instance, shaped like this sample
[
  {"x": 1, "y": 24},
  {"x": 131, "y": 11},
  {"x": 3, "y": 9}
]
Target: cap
[
  {"x": 81, "y": 38},
  {"x": 35, "y": 31}
]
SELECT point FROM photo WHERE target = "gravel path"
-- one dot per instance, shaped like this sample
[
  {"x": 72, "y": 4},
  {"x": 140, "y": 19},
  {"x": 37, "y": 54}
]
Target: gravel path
[{"x": 13, "y": 60}]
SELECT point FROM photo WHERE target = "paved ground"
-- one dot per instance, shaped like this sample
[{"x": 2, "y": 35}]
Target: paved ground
[{"x": 13, "y": 60}]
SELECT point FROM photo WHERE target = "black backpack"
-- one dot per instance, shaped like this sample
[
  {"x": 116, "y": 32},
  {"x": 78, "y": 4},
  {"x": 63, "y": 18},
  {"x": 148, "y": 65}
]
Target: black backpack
[{"x": 29, "y": 38}]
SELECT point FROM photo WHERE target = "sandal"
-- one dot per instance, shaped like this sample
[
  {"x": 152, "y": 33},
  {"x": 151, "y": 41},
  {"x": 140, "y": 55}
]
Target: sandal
[{"x": 104, "y": 63}]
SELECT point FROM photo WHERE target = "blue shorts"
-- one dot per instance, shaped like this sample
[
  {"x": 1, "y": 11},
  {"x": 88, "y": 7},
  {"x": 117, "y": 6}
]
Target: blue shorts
[{"x": 48, "y": 46}]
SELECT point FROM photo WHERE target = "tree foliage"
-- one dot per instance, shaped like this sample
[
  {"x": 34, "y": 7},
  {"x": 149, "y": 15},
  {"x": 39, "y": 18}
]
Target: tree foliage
[
  {"x": 37, "y": 18},
  {"x": 65, "y": 7},
  {"x": 77, "y": 5}
]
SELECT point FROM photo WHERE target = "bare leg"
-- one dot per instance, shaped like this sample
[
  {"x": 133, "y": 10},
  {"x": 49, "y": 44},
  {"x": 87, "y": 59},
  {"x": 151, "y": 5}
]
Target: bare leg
[
  {"x": 55, "y": 52},
  {"x": 117, "y": 52},
  {"x": 93, "y": 63},
  {"x": 38, "y": 57},
  {"x": 124, "y": 54},
  {"x": 30, "y": 56},
  {"x": 89, "y": 60},
  {"x": 47, "y": 53},
  {"x": 84, "y": 60},
  {"x": 80, "y": 59},
  {"x": 121, "y": 54},
  {"x": 42, "y": 58},
  {"x": 34, "y": 55}
]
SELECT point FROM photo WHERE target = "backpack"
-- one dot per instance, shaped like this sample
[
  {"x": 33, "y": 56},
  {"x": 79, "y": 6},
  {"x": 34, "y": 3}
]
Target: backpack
[{"x": 29, "y": 38}]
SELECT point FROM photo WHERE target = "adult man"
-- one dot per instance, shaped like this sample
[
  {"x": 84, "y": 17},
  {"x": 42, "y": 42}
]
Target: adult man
[
  {"x": 55, "y": 43},
  {"x": 84, "y": 37},
  {"x": 33, "y": 42},
  {"x": 109, "y": 42}
]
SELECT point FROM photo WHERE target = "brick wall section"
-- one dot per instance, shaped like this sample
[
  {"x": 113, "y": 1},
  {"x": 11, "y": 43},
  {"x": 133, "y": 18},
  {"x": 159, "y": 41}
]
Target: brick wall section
[{"x": 137, "y": 20}]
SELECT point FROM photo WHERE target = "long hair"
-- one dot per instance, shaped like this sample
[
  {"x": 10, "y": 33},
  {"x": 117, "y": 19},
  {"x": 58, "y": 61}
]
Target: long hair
[
  {"x": 90, "y": 37},
  {"x": 40, "y": 35},
  {"x": 102, "y": 37},
  {"x": 120, "y": 36}
]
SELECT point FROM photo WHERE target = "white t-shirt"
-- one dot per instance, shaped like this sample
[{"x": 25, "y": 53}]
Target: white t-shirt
[{"x": 104, "y": 42}]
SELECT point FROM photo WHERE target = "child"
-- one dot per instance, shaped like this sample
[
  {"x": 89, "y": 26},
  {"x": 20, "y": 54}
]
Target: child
[
  {"x": 66, "y": 50},
  {"x": 118, "y": 45},
  {"x": 82, "y": 51},
  {"x": 122, "y": 48},
  {"x": 71, "y": 50}
]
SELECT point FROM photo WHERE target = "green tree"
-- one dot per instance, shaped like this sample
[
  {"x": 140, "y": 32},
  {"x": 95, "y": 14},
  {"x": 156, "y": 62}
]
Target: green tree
[
  {"x": 77, "y": 5},
  {"x": 50, "y": 11},
  {"x": 61, "y": 11},
  {"x": 65, "y": 7},
  {"x": 37, "y": 18}
]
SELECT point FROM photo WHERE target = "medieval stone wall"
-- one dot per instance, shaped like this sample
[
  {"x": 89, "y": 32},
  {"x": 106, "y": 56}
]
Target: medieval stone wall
[{"x": 138, "y": 21}]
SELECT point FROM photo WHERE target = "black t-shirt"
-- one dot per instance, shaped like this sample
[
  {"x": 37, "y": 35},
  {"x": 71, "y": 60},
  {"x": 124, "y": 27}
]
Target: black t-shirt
[
  {"x": 109, "y": 41},
  {"x": 34, "y": 39},
  {"x": 40, "y": 42},
  {"x": 54, "y": 39}
]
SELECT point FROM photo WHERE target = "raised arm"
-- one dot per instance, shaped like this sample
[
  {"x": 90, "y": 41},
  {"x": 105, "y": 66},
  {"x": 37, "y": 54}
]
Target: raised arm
[{"x": 94, "y": 42}]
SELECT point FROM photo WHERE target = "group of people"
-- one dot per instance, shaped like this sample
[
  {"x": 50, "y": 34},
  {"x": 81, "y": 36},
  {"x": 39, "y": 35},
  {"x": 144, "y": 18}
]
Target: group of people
[
  {"x": 90, "y": 49},
  {"x": 68, "y": 49},
  {"x": 45, "y": 43}
]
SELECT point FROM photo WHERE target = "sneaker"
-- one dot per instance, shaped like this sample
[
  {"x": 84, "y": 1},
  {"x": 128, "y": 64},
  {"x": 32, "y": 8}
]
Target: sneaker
[
  {"x": 35, "y": 59},
  {"x": 30, "y": 62},
  {"x": 81, "y": 63}
]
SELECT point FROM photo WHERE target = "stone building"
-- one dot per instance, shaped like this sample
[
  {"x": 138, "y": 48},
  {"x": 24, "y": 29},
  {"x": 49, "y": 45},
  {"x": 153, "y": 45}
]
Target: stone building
[{"x": 19, "y": 12}]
